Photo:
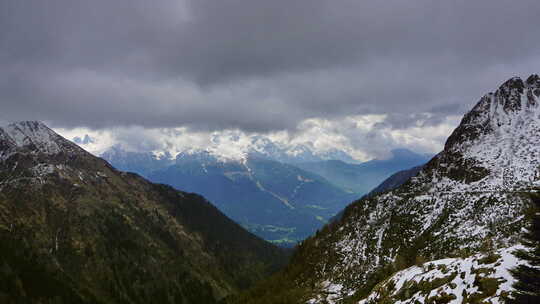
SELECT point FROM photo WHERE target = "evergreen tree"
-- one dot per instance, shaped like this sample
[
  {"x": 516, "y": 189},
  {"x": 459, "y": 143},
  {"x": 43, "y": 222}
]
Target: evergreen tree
[{"x": 527, "y": 285}]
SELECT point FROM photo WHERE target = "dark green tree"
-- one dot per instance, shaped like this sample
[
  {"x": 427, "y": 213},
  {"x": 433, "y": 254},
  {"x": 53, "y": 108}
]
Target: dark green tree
[{"x": 527, "y": 286}]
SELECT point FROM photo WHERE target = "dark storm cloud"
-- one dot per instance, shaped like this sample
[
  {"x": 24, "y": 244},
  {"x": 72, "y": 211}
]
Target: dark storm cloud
[{"x": 257, "y": 65}]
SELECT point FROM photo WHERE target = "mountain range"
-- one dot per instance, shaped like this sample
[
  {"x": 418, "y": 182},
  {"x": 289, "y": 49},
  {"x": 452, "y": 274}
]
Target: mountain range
[
  {"x": 466, "y": 206},
  {"x": 280, "y": 202},
  {"x": 274, "y": 200},
  {"x": 263, "y": 147},
  {"x": 364, "y": 177},
  {"x": 75, "y": 230},
  {"x": 257, "y": 146}
]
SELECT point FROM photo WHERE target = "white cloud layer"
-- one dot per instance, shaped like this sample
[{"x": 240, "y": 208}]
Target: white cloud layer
[{"x": 364, "y": 137}]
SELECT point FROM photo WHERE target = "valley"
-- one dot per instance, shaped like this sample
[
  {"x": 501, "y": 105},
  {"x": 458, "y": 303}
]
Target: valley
[{"x": 281, "y": 202}]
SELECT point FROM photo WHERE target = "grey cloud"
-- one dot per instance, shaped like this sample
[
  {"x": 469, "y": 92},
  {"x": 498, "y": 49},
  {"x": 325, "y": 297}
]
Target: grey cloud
[{"x": 257, "y": 65}]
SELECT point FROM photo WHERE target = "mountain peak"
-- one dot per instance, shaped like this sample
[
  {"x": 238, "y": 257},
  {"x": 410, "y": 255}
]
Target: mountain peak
[
  {"x": 36, "y": 137},
  {"x": 33, "y": 134},
  {"x": 516, "y": 94},
  {"x": 502, "y": 114},
  {"x": 534, "y": 79},
  {"x": 28, "y": 128},
  {"x": 516, "y": 83},
  {"x": 513, "y": 83}
]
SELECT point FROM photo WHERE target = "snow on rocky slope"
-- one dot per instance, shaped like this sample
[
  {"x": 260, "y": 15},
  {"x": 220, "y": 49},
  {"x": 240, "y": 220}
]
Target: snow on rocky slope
[
  {"x": 30, "y": 151},
  {"x": 471, "y": 193},
  {"x": 451, "y": 280}
]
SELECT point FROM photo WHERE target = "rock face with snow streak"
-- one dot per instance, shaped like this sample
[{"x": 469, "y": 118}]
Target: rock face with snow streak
[
  {"x": 470, "y": 194},
  {"x": 498, "y": 139}
]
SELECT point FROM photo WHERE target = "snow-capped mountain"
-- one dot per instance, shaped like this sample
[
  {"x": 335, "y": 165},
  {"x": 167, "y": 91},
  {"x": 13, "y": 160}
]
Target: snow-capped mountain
[
  {"x": 470, "y": 194},
  {"x": 34, "y": 136},
  {"x": 85, "y": 140},
  {"x": 497, "y": 143},
  {"x": 142, "y": 163},
  {"x": 299, "y": 153},
  {"x": 227, "y": 147}
]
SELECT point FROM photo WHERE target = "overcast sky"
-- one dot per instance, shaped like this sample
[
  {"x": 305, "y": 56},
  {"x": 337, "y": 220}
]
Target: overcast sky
[{"x": 303, "y": 67}]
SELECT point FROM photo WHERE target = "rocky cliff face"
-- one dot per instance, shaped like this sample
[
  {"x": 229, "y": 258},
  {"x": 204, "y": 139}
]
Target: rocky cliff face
[{"x": 497, "y": 141}]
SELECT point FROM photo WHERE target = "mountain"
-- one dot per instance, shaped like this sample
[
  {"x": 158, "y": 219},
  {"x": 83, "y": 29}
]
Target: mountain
[
  {"x": 363, "y": 177},
  {"x": 75, "y": 230},
  {"x": 84, "y": 140},
  {"x": 469, "y": 197},
  {"x": 142, "y": 163},
  {"x": 396, "y": 180},
  {"x": 276, "y": 201},
  {"x": 224, "y": 146},
  {"x": 263, "y": 147}
]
